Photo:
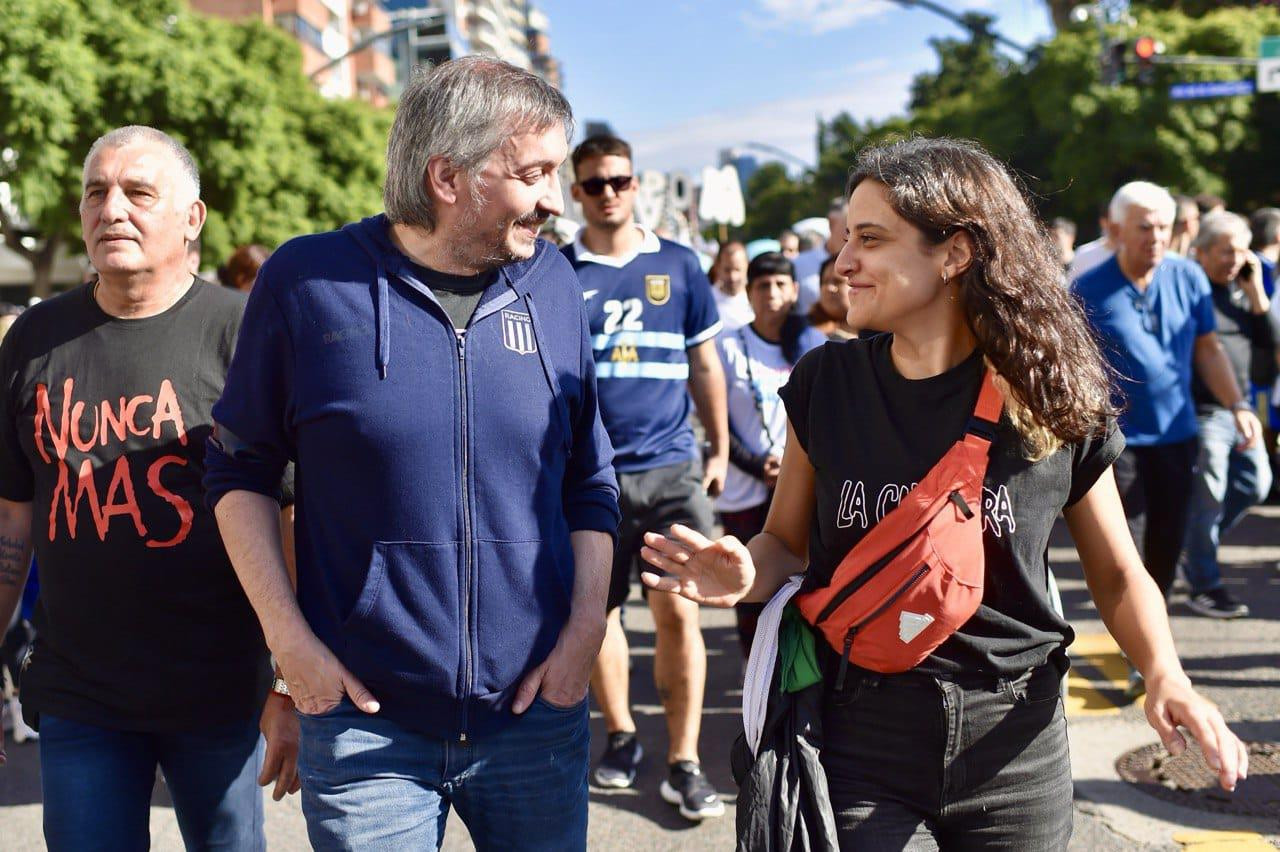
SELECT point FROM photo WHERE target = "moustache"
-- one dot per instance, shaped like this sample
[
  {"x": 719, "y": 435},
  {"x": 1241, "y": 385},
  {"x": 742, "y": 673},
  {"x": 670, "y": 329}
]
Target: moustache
[{"x": 537, "y": 218}]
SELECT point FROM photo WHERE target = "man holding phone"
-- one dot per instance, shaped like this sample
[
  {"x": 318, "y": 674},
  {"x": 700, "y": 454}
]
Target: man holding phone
[{"x": 1230, "y": 477}]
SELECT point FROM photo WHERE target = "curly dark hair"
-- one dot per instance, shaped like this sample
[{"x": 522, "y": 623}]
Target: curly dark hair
[{"x": 1030, "y": 328}]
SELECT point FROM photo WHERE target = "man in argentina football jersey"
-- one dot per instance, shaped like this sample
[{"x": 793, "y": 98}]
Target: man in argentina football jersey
[{"x": 653, "y": 325}]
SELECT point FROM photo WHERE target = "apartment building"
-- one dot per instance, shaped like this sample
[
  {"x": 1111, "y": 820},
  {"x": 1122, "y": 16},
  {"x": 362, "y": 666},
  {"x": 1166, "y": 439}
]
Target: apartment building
[{"x": 327, "y": 30}]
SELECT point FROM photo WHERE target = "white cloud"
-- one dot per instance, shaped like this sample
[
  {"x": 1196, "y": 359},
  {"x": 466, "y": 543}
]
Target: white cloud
[
  {"x": 787, "y": 123},
  {"x": 817, "y": 16}
]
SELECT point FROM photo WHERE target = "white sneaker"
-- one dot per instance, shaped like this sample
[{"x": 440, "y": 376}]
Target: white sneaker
[{"x": 21, "y": 730}]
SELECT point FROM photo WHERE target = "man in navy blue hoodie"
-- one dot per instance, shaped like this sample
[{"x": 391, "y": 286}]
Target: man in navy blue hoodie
[{"x": 430, "y": 371}]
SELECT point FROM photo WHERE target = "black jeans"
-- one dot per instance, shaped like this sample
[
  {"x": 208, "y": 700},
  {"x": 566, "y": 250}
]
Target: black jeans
[
  {"x": 921, "y": 763},
  {"x": 1155, "y": 487}
]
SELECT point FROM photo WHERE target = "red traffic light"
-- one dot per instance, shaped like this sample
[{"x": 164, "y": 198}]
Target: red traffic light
[{"x": 1146, "y": 47}]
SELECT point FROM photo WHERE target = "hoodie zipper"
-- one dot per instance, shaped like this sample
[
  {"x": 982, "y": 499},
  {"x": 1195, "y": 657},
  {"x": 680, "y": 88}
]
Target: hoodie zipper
[
  {"x": 466, "y": 535},
  {"x": 876, "y": 613}
]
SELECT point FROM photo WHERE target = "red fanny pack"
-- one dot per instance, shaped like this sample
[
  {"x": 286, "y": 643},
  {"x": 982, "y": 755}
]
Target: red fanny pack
[{"x": 916, "y": 576}]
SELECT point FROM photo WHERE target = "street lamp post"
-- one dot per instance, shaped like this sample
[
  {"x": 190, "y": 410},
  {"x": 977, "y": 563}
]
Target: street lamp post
[
  {"x": 433, "y": 16},
  {"x": 959, "y": 20}
]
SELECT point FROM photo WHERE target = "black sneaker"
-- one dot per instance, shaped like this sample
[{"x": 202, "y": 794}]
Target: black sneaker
[
  {"x": 687, "y": 787},
  {"x": 1217, "y": 603},
  {"x": 618, "y": 766}
]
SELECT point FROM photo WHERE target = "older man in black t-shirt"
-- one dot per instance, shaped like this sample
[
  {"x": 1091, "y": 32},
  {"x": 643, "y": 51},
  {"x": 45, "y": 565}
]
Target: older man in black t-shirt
[
  {"x": 1230, "y": 477},
  {"x": 147, "y": 651}
]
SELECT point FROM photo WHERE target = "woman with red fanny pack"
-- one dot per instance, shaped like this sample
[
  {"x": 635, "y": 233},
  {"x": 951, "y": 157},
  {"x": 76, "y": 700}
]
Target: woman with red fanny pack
[{"x": 923, "y": 473}]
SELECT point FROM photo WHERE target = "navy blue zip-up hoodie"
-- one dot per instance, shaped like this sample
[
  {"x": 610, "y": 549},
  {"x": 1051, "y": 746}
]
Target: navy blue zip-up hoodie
[{"x": 438, "y": 474}]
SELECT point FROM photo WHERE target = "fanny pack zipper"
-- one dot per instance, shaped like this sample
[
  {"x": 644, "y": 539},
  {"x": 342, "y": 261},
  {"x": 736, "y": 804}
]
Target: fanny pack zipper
[
  {"x": 876, "y": 567},
  {"x": 915, "y": 577}
]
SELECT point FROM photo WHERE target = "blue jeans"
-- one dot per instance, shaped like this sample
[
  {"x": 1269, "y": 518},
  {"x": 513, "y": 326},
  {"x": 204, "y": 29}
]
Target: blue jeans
[
  {"x": 97, "y": 785},
  {"x": 369, "y": 784},
  {"x": 1228, "y": 481}
]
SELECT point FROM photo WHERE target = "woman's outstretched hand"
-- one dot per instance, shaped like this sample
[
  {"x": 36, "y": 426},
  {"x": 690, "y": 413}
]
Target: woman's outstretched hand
[
  {"x": 715, "y": 573},
  {"x": 1172, "y": 703}
]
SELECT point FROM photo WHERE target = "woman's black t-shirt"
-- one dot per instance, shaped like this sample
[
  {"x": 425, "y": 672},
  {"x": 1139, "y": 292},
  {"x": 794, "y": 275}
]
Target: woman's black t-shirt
[{"x": 871, "y": 435}]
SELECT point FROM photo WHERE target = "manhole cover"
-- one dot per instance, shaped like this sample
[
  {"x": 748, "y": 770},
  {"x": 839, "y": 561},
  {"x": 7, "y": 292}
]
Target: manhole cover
[{"x": 1188, "y": 781}]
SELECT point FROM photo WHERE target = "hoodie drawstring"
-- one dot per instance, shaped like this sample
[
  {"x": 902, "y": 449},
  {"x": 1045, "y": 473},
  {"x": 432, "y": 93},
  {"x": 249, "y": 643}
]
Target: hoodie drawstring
[{"x": 382, "y": 308}]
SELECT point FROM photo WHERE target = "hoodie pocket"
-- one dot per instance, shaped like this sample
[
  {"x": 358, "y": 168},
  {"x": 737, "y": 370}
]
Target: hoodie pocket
[
  {"x": 405, "y": 624},
  {"x": 523, "y": 602}
]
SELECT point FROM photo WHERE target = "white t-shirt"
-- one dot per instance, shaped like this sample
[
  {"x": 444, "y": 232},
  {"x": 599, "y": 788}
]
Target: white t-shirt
[
  {"x": 754, "y": 370},
  {"x": 1088, "y": 256},
  {"x": 735, "y": 311},
  {"x": 808, "y": 264}
]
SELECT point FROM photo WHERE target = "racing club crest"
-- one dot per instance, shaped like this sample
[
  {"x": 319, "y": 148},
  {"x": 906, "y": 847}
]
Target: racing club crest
[
  {"x": 657, "y": 289},
  {"x": 517, "y": 333}
]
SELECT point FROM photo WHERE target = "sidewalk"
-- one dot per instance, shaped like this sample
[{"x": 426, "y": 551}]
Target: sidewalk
[{"x": 1237, "y": 663}]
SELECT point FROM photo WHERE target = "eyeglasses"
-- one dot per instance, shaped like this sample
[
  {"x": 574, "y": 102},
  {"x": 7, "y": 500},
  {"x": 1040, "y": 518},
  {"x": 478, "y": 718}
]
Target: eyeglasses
[
  {"x": 596, "y": 185},
  {"x": 1150, "y": 317}
]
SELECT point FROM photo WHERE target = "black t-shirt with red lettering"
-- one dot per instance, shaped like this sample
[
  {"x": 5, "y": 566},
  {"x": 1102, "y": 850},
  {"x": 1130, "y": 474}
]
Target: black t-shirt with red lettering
[
  {"x": 872, "y": 434},
  {"x": 141, "y": 623}
]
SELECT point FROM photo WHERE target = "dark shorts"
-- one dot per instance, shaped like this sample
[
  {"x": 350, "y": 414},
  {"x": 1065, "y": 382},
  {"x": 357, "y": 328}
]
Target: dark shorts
[{"x": 651, "y": 501}]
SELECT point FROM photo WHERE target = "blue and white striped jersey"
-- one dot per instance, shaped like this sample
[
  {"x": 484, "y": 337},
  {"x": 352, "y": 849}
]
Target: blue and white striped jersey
[{"x": 644, "y": 312}]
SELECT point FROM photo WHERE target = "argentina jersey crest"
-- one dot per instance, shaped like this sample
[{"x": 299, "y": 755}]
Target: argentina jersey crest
[
  {"x": 517, "y": 333},
  {"x": 657, "y": 289}
]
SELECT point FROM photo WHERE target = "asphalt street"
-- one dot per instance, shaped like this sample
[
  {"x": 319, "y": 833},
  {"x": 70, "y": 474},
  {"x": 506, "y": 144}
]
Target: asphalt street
[{"x": 1236, "y": 663}]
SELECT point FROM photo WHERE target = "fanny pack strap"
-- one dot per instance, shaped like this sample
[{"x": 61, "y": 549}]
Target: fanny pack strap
[
  {"x": 980, "y": 433},
  {"x": 981, "y": 428}
]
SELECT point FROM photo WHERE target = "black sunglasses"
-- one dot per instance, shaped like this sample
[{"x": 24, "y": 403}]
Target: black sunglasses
[{"x": 596, "y": 185}]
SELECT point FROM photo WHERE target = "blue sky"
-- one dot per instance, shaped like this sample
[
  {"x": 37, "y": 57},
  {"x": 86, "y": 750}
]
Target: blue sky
[{"x": 681, "y": 79}]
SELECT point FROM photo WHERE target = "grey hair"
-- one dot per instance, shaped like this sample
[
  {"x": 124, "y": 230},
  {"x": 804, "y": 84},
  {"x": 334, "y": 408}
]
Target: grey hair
[
  {"x": 1265, "y": 223},
  {"x": 131, "y": 133},
  {"x": 462, "y": 110},
  {"x": 1141, "y": 193},
  {"x": 1220, "y": 224}
]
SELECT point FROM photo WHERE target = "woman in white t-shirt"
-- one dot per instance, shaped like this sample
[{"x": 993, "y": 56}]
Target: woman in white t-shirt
[{"x": 757, "y": 359}]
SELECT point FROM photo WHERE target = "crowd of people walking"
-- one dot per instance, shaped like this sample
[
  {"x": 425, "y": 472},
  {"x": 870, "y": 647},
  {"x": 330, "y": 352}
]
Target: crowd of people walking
[{"x": 364, "y": 522}]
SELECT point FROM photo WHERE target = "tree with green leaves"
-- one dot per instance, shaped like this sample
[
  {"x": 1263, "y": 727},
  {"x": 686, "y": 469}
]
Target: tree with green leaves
[
  {"x": 276, "y": 159},
  {"x": 1073, "y": 138}
]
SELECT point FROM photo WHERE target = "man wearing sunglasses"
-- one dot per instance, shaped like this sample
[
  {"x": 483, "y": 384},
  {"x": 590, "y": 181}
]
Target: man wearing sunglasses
[
  {"x": 1154, "y": 314},
  {"x": 653, "y": 325}
]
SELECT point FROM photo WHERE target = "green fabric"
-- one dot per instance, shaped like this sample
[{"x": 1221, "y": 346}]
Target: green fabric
[{"x": 797, "y": 653}]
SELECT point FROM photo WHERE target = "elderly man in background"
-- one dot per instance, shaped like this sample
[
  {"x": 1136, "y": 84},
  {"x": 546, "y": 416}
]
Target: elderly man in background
[
  {"x": 1154, "y": 314},
  {"x": 1230, "y": 475}
]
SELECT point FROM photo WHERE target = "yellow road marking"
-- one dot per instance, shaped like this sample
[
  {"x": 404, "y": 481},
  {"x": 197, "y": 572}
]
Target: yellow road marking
[
  {"x": 1096, "y": 665},
  {"x": 1222, "y": 841}
]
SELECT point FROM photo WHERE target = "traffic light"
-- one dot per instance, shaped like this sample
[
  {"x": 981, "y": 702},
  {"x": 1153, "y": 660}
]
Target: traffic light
[
  {"x": 1119, "y": 54},
  {"x": 1114, "y": 57},
  {"x": 1145, "y": 49}
]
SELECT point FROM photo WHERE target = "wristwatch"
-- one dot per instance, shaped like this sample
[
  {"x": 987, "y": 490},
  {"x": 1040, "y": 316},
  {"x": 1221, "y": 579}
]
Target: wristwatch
[
  {"x": 1242, "y": 405},
  {"x": 279, "y": 686}
]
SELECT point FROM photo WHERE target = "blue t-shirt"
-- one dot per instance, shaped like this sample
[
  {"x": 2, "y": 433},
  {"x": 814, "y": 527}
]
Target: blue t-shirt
[
  {"x": 644, "y": 313},
  {"x": 1268, "y": 276},
  {"x": 1149, "y": 339}
]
